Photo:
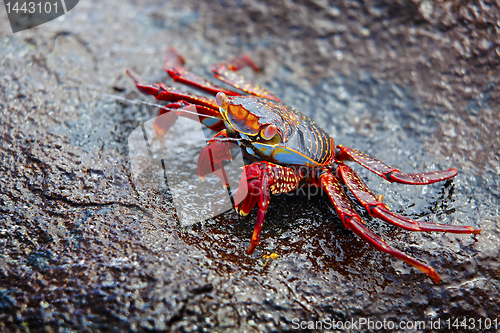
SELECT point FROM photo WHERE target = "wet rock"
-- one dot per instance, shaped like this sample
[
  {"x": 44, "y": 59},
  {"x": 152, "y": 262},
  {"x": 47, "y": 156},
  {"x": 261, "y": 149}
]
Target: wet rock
[{"x": 86, "y": 247}]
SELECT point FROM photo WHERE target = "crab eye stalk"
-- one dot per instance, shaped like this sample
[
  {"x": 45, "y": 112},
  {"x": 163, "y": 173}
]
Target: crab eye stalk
[
  {"x": 221, "y": 100},
  {"x": 270, "y": 133}
]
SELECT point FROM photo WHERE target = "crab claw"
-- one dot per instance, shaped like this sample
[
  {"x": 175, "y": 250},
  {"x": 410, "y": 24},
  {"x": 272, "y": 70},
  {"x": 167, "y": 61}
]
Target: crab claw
[
  {"x": 211, "y": 158},
  {"x": 205, "y": 165}
]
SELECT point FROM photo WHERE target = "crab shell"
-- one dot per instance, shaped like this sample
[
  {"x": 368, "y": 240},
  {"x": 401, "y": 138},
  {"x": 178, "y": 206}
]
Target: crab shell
[{"x": 274, "y": 132}]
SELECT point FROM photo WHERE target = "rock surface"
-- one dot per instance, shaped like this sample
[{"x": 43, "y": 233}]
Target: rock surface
[{"x": 414, "y": 83}]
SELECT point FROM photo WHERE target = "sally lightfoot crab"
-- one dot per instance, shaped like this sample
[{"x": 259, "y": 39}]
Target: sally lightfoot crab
[{"x": 287, "y": 150}]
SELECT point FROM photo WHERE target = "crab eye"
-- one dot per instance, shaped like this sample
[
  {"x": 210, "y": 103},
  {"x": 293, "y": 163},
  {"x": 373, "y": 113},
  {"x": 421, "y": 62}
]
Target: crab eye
[
  {"x": 269, "y": 132},
  {"x": 220, "y": 97}
]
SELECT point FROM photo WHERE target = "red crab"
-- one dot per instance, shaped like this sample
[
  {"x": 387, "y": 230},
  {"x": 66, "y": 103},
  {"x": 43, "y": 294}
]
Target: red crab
[{"x": 288, "y": 150}]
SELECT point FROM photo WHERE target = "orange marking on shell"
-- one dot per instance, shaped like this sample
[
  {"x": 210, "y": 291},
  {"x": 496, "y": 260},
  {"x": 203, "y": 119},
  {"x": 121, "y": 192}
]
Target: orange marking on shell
[
  {"x": 243, "y": 118},
  {"x": 238, "y": 113},
  {"x": 253, "y": 122}
]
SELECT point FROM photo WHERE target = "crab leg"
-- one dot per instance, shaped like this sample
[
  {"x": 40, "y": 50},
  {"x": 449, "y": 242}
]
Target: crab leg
[
  {"x": 225, "y": 71},
  {"x": 352, "y": 221},
  {"x": 202, "y": 109},
  {"x": 392, "y": 174},
  {"x": 164, "y": 93},
  {"x": 174, "y": 67},
  {"x": 262, "y": 179},
  {"x": 167, "y": 117},
  {"x": 169, "y": 114},
  {"x": 378, "y": 209}
]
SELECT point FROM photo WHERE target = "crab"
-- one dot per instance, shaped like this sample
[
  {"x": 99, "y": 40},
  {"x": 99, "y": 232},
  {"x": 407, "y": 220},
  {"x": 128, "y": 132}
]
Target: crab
[{"x": 287, "y": 150}]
